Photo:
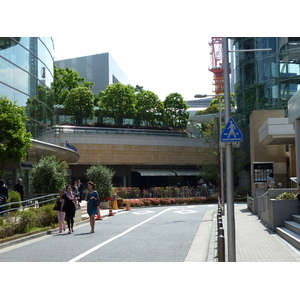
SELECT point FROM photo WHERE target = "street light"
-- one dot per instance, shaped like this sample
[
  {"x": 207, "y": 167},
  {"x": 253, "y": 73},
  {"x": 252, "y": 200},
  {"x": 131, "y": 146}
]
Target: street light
[{"x": 220, "y": 161}]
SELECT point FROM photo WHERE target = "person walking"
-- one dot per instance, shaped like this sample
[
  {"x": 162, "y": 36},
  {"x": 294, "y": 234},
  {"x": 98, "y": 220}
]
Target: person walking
[
  {"x": 69, "y": 206},
  {"x": 60, "y": 213},
  {"x": 19, "y": 188},
  {"x": 3, "y": 196},
  {"x": 80, "y": 187},
  {"x": 92, "y": 198}
]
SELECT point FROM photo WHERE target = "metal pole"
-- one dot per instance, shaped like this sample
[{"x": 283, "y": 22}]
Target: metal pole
[
  {"x": 229, "y": 167},
  {"x": 221, "y": 159}
]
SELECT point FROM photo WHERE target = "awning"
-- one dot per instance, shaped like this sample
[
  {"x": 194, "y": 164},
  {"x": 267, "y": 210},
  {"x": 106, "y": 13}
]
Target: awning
[
  {"x": 149, "y": 172},
  {"x": 157, "y": 172},
  {"x": 186, "y": 172}
]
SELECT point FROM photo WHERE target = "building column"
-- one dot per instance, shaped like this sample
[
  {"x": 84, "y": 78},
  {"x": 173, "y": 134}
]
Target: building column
[{"x": 297, "y": 146}]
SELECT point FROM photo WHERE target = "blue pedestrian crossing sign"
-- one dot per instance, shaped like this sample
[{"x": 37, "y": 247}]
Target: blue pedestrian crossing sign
[{"x": 231, "y": 133}]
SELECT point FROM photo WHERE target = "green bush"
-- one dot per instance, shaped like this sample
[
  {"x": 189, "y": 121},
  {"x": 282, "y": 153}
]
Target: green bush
[
  {"x": 14, "y": 196},
  {"x": 102, "y": 176},
  {"x": 286, "y": 196},
  {"x": 23, "y": 221}
]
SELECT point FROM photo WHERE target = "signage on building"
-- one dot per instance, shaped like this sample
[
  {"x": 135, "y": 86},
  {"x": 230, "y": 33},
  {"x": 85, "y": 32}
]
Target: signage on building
[
  {"x": 261, "y": 171},
  {"x": 70, "y": 146}
]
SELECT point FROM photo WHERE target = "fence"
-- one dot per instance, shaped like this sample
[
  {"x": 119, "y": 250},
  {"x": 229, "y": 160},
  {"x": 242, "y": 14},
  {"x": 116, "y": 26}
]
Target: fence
[{"x": 33, "y": 202}]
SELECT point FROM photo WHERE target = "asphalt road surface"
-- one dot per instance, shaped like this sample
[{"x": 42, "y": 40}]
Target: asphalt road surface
[{"x": 151, "y": 234}]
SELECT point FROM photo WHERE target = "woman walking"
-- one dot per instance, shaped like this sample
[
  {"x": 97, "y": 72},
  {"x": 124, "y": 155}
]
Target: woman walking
[
  {"x": 60, "y": 212},
  {"x": 92, "y": 198},
  {"x": 69, "y": 206}
]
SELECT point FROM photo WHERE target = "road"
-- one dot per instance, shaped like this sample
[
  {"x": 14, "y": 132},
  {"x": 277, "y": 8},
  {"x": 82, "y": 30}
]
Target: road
[{"x": 150, "y": 234}]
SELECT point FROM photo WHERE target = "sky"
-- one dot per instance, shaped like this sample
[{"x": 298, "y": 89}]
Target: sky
[
  {"x": 157, "y": 44},
  {"x": 161, "y": 45}
]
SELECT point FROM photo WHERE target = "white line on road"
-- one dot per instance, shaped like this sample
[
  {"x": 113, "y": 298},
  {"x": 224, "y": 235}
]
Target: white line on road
[{"x": 115, "y": 237}]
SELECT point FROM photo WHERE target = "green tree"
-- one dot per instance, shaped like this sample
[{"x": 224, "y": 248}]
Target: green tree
[
  {"x": 175, "y": 113},
  {"x": 64, "y": 81},
  {"x": 148, "y": 107},
  {"x": 79, "y": 103},
  {"x": 117, "y": 101},
  {"x": 14, "y": 140},
  {"x": 102, "y": 176},
  {"x": 49, "y": 175}
]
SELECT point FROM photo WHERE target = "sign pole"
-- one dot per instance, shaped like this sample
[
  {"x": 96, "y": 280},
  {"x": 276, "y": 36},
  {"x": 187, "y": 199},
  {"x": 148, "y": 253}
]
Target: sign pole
[{"x": 229, "y": 167}]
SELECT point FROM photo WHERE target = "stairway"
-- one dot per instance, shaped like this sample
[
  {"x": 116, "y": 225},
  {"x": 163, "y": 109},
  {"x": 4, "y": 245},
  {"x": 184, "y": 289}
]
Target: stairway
[{"x": 291, "y": 231}]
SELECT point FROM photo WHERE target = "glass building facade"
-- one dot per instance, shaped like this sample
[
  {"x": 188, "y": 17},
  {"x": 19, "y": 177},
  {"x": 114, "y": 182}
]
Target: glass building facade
[
  {"x": 26, "y": 72},
  {"x": 265, "y": 79}
]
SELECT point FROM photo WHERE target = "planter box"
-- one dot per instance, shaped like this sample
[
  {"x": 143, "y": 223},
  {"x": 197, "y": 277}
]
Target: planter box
[
  {"x": 120, "y": 203},
  {"x": 275, "y": 212},
  {"x": 104, "y": 204}
]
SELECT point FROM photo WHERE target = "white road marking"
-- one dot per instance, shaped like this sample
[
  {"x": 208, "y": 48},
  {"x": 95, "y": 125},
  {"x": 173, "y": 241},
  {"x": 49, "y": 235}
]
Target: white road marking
[
  {"x": 115, "y": 237},
  {"x": 143, "y": 212},
  {"x": 184, "y": 212}
]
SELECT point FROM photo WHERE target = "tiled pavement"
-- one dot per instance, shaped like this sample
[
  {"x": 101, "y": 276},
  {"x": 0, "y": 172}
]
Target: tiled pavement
[{"x": 255, "y": 242}]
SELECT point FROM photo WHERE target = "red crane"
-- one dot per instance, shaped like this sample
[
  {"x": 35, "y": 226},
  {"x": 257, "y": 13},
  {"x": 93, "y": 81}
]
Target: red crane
[{"x": 216, "y": 64}]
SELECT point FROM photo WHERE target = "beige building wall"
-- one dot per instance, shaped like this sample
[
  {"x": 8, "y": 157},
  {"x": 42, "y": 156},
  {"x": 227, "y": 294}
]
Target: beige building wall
[
  {"x": 147, "y": 150},
  {"x": 267, "y": 153}
]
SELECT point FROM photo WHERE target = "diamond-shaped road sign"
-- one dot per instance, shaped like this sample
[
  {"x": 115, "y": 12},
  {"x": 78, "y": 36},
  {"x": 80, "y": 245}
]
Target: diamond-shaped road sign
[{"x": 231, "y": 133}]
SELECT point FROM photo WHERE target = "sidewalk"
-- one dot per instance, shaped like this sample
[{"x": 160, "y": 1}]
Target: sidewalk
[{"x": 254, "y": 241}]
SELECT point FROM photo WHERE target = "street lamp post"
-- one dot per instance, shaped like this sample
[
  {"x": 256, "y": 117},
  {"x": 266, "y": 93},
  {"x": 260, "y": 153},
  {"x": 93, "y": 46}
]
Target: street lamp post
[{"x": 220, "y": 162}]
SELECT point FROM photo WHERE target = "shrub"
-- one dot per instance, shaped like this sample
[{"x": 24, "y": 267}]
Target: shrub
[
  {"x": 14, "y": 196},
  {"x": 48, "y": 176},
  {"x": 286, "y": 196},
  {"x": 102, "y": 176},
  {"x": 25, "y": 220}
]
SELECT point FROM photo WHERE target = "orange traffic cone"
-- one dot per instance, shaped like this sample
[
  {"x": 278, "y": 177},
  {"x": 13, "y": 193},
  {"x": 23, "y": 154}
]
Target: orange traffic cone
[
  {"x": 110, "y": 212},
  {"x": 98, "y": 215},
  {"x": 127, "y": 207}
]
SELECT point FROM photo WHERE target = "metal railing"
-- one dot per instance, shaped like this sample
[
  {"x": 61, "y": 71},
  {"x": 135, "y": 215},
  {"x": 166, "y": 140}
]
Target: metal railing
[
  {"x": 33, "y": 202},
  {"x": 107, "y": 130}
]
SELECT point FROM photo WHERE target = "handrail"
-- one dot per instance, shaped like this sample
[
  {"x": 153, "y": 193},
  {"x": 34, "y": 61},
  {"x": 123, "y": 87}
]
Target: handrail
[{"x": 33, "y": 202}]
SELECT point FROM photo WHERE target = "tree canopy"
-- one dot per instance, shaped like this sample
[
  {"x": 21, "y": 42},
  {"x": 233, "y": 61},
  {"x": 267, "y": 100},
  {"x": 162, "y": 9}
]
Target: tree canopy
[
  {"x": 64, "y": 81},
  {"x": 14, "y": 140},
  {"x": 118, "y": 101},
  {"x": 176, "y": 115},
  {"x": 79, "y": 103}
]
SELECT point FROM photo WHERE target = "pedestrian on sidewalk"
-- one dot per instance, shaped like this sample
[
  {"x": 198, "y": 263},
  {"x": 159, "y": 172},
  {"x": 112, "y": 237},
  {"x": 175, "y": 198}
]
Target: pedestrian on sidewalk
[
  {"x": 3, "y": 196},
  {"x": 69, "y": 206},
  {"x": 92, "y": 199},
  {"x": 60, "y": 213},
  {"x": 19, "y": 188}
]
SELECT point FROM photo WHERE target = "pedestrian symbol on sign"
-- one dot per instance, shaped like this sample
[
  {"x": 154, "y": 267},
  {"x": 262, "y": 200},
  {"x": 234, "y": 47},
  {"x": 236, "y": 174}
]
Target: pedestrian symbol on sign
[{"x": 231, "y": 133}]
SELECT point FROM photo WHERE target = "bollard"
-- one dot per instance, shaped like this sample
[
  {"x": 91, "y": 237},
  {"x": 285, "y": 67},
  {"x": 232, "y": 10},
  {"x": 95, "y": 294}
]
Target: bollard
[
  {"x": 220, "y": 231},
  {"x": 221, "y": 248}
]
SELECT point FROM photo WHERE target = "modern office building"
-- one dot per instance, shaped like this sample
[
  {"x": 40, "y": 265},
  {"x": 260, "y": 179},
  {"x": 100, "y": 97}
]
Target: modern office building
[
  {"x": 265, "y": 81},
  {"x": 26, "y": 72},
  {"x": 101, "y": 69}
]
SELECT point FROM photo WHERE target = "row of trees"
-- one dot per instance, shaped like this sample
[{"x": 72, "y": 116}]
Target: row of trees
[{"x": 118, "y": 101}]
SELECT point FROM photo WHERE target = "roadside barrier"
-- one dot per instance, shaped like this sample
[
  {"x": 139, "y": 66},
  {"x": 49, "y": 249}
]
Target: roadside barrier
[
  {"x": 99, "y": 214},
  {"x": 110, "y": 212},
  {"x": 221, "y": 239}
]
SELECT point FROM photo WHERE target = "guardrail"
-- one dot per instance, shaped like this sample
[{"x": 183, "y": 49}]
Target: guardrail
[{"x": 33, "y": 202}]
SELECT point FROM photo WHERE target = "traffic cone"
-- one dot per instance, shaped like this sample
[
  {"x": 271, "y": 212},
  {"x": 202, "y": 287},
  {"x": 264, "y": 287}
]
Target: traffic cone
[
  {"x": 110, "y": 212},
  {"x": 127, "y": 207},
  {"x": 98, "y": 215}
]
